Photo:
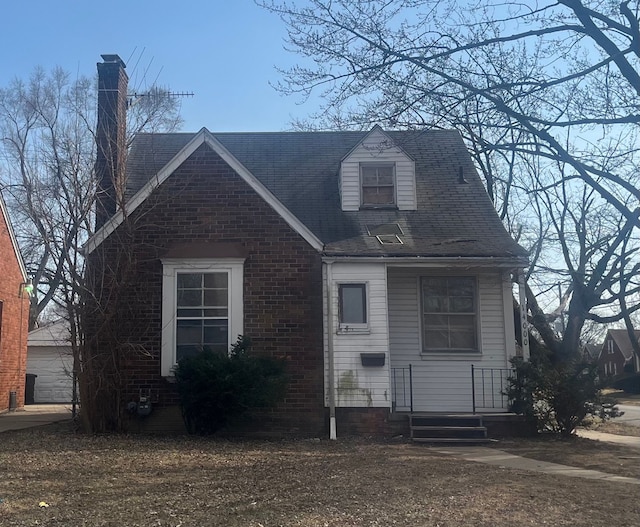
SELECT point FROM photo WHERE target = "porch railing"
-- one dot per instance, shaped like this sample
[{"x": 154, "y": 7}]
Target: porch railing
[
  {"x": 402, "y": 388},
  {"x": 488, "y": 386}
]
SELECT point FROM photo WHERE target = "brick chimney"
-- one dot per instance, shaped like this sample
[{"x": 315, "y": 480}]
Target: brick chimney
[{"x": 111, "y": 137}]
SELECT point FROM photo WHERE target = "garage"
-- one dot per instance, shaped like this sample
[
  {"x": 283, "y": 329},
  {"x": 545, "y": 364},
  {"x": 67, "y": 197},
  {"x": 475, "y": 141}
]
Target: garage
[{"x": 49, "y": 359}]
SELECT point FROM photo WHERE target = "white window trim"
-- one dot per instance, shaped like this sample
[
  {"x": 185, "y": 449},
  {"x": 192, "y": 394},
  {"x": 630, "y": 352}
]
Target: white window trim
[
  {"x": 450, "y": 352},
  {"x": 369, "y": 164},
  {"x": 170, "y": 269},
  {"x": 351, "y": 328}
]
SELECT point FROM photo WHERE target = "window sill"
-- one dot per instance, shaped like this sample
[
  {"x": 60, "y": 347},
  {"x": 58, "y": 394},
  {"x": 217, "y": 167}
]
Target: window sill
[
  {"x": 450, "y": 355},
  {"x": 351, "y": 330},
  {"x": 379, "y": 207}
]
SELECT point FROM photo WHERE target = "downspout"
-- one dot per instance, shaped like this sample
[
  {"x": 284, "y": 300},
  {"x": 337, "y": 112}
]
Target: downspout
[{"x": 331, "y": 373}]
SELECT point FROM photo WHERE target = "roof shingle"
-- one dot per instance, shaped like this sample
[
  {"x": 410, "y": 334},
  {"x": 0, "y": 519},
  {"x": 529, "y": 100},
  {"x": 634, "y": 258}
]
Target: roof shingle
[{"x": 301, "y": 169}]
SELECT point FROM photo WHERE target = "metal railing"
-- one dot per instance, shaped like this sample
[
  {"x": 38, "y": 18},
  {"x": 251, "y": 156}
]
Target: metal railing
[
  {"x": 402, "y": 388},
  {"x": 488, "y": 386}
]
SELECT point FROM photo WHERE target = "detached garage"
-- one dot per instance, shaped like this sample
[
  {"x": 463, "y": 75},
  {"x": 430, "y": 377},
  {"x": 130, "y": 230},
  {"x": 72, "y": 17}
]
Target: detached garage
[{"x": 49, "y": 358}]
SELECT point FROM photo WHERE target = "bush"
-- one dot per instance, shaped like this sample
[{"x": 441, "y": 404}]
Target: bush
[
  {"x": 557, "y": 398},
  {"x": 215, "y": 388}
]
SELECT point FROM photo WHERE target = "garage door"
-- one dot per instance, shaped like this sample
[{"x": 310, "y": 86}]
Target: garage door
[{"x": 53, "y": 368}]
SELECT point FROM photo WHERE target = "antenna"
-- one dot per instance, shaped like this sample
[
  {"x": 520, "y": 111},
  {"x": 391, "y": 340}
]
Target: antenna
[{"x": 133, "y": 98}]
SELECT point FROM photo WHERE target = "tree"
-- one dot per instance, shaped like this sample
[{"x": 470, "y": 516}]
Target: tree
[
  {"x": 547, "y": 98},
  {"x": 48, "y": 152},
  {"x": 47, "y": 167}
]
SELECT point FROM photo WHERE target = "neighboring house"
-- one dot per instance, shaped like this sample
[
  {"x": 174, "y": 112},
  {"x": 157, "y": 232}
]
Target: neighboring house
[
  {"x": 372, "y": 262},
  {"x": 617, "y": 355},
  {"x": 14, "y": 317},
  {"x": 591, "y": 351},
  {"x": 49, "y": 358}
]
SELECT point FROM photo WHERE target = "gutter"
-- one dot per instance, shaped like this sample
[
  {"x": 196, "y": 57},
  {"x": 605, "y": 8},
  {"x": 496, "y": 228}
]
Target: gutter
[{"x": 435, "y": 261}]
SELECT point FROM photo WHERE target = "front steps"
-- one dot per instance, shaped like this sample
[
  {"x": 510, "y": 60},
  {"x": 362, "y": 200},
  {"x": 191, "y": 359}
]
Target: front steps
[{"x": 447, "y": 428}]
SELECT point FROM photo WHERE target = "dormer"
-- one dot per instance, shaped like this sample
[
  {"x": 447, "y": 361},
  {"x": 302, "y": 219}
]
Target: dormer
[{"x": 377, "y": 174}]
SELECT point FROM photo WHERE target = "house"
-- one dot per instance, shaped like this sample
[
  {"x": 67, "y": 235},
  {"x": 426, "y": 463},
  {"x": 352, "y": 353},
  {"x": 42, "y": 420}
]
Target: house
[
  {"x": 50, "y": 360},
  {"x": 617, "y": 355},
  {"x": 372, "y": 262},
  {"x": 14, "y": 317}
]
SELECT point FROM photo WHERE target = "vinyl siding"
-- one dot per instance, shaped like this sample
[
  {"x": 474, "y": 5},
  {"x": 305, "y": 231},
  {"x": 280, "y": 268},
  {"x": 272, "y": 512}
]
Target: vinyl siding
[
  {"x": 442, "y": 381},
  {"x": 367, "y": 152},
  {"x": 357, "y": 385}
]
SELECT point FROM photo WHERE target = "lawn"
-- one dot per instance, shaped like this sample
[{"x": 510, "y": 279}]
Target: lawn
[{"x": 145, "y": 481}]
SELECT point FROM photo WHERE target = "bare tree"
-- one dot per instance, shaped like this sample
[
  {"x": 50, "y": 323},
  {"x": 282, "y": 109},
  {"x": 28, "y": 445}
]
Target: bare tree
[
  {"x": 547, "y": 97},
  {"x": 47, "y": 157}
]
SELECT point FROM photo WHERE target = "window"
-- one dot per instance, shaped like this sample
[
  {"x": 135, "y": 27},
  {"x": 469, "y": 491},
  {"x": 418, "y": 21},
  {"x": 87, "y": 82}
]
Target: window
[
  {"x": 352, "y": 308},
  {"x": 201, "y": 307},
  {"x": 378, "y": 185},
  {"x": 610, "y": 346},
  {"x": 449, "y": 313},
  {"x": 202, "y": 316}
]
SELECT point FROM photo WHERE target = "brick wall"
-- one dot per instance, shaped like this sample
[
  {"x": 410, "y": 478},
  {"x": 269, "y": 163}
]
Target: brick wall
[
  {"x": 14, "y": 322},
  {"x": 363, "y": 421},
  {"x": 205, "y": 202}
]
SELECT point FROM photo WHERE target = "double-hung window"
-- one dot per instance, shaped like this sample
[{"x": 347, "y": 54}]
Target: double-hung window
[
  {"x": 449, "y": 313},
  {"x": 202, "y": 312},
  {"x": 378, "y": 187},
  {"x": 202, "y": 307}
]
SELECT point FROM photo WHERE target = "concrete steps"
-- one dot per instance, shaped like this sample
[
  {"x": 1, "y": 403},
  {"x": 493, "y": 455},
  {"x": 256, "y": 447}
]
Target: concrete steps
[{"x": 447, "y": 428}]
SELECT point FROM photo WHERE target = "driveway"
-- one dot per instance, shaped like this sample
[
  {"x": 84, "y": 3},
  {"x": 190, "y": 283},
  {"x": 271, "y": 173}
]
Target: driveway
[{"x": 34, "y": 415}]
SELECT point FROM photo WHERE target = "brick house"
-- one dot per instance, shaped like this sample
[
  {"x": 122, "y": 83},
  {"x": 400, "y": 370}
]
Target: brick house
[
  {"x": 372, "y": 262},
  {"x": 14, "y": 317},
  {"x": 617, "y": 355}
]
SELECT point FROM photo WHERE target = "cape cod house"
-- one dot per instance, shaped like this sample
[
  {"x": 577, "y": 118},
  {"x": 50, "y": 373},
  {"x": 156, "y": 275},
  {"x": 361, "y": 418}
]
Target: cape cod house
[
  {"x": 372, "y": 262},
  {"x": 14, "y": 317}
]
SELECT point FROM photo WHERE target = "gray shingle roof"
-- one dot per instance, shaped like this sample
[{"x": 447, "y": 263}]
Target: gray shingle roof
[
  {"x": 622, "y": 340},
  {"x": 301, "y": 169}
]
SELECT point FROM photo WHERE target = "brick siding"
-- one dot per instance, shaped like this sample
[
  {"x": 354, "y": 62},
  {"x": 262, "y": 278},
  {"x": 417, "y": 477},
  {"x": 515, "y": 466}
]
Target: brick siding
[
  {"x": 14, "y": 323},
  {"x": 204, "y": 201}
]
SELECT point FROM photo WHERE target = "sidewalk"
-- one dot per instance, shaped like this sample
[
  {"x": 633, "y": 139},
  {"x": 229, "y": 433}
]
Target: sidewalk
[
  {"x": 34, "y": 415},
  {"x": 609, "y": 438},
  {"x": 502, "y": 459}
]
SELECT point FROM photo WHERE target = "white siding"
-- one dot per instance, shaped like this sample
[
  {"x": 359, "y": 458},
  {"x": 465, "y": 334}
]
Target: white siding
[
  {"x": 357, "y": 385},
  {"x": 377, "y": 148},
  {"x": 442, "y": 381}
]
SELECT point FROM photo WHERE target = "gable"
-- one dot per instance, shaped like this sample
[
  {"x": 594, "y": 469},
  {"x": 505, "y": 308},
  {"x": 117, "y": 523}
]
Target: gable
[
  {"x": 377, "y": 149},
  {"x": 7, "y": 230},
  {"x": 204, "y": 137}
]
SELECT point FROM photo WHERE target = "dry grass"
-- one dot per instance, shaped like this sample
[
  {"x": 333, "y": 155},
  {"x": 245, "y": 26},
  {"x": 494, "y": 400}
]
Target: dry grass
[{"x": 141, "y": 481}]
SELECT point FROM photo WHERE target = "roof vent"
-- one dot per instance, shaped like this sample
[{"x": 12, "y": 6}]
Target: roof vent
[{"x": 389, "y": 239}]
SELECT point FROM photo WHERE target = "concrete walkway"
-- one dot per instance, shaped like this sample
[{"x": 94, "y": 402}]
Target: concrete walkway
[
  {"x": 34, "y": 415},
  {"x": 491, "y": 456},
  {"x": 631, "y": 441}
]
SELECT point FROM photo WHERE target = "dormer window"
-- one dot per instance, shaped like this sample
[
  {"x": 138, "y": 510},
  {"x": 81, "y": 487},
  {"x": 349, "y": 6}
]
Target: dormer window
[{"x": 378, "y": 185}]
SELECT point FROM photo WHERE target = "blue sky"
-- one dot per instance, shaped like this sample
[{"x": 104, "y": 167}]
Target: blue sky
[{"x": 224, "y": 51}]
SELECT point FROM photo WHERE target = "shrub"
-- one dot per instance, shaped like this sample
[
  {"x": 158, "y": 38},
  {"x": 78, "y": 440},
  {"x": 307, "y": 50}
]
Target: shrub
[
  {"x": 215, "y": 388},
  {"x": 557, "y": 398}
]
